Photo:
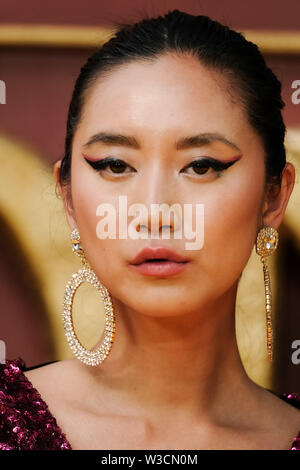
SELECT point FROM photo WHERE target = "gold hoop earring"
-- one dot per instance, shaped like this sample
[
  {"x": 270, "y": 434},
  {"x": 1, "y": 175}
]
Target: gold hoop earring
[
  {"x": 86, "y": 274},
  {"x": 266, "y": 244}
]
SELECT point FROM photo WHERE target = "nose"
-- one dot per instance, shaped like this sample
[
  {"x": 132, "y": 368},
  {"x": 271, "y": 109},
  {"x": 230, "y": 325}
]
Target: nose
[
  {"x": 156, "y": 219},
  {"x": 163, "y": 213}
]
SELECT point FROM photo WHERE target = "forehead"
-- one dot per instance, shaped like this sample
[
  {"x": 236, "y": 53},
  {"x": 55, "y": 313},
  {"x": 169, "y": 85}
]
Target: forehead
[{"x": 173, "y": 93}]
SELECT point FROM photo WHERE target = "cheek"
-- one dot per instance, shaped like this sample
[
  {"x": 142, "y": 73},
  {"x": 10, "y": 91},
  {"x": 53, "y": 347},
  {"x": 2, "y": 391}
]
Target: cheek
[
  {"x": 86, "y": 196},
  {"x": 230, "y": 227},
  {"x": 105, "y": 256}
]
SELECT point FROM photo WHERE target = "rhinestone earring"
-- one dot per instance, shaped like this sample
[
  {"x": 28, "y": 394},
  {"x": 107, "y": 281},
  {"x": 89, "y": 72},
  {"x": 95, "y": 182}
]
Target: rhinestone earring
[
  {"x": 86, "y": 274},
  {"x": 266, "y": 244}
]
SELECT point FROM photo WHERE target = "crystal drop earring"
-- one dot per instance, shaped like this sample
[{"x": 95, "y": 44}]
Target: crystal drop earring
[
  {"x": 86, "y": 274},
  {"x": 266, "y": 244}
]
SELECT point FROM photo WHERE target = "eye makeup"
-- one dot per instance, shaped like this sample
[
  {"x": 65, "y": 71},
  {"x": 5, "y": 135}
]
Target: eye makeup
[
  {"x": 197, "y": 164},
  {"x": 101, "y": 164},
  {"x": 216, "y": 165}
]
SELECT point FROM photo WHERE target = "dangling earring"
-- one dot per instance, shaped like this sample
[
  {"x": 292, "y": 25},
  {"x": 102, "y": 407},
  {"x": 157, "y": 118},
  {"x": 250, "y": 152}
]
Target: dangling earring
[
  {"x": 266, "y": 244},
  {"x": 92, "y": 358}
]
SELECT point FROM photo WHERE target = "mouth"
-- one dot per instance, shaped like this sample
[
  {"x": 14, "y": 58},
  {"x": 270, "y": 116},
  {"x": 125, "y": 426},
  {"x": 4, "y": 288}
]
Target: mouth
[
  {"x": 160, "y": 267},
  {"x": 159, "y": 262},
  {"x": 152, "y": 254}
]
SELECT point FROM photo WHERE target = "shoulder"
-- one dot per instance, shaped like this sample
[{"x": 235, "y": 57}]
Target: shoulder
[
  {"x": 63, "y": 385},
  {"x": 292, "y": 398},
  {"x": 55, "y": 379},
  {"x": 287, "y": 402},
  {"x": 25, "y": 420},
  {"x": 53, "y": 369},
  {"x": 283, "y": 413}
]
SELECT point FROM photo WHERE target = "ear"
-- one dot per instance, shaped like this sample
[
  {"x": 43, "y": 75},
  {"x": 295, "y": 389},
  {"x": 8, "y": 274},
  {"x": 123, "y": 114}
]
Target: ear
[
  {"x": 65, "y": 194},
  {"x": 276, "y": 199}
]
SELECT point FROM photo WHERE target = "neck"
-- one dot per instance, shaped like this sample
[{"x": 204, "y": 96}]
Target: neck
[{"x": 173, "y": 365}]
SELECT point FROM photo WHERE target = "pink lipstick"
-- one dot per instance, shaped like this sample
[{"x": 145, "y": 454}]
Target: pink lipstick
[{"x": 159, "y": 261}]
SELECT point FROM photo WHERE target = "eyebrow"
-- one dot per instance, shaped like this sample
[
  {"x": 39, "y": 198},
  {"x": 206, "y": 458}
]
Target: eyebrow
[{"x": 197, "y": 140}]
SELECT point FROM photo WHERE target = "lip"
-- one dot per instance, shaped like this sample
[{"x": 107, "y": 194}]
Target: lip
[
  {"x": 158, "y": 252},
  {"x": 174, "y": 262}
]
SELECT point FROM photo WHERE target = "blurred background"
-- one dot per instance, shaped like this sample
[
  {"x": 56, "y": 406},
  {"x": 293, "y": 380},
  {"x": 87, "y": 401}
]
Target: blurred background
[{"x": 42, "y": 48}]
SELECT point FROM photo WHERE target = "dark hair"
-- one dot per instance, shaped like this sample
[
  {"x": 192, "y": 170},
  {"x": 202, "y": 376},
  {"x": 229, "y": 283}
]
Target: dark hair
[{"x": 215, "y": 46}]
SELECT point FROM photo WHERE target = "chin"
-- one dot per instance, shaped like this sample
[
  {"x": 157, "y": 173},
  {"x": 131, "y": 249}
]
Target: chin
[{"x": 163, "y": 308}]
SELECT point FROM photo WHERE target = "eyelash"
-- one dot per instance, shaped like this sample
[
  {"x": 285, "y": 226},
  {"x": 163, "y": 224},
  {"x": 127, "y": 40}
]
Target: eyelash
[{"x": 216, "y": 165}]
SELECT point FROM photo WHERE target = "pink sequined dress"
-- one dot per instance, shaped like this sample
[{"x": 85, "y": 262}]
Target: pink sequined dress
[{"x": 27, "y": 424}]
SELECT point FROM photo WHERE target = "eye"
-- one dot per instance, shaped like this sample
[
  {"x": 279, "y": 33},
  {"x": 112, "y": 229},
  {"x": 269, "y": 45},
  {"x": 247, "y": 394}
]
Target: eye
[
  {"x": 116, "y": 165},
  {"x": 201, "y": 166}
]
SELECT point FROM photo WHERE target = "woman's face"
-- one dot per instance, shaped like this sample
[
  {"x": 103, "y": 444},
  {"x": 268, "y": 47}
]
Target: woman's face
[{"x": 159, "y": 103}]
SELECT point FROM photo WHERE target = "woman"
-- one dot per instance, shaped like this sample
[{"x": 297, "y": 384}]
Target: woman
[{"x": 157, "y": 101}]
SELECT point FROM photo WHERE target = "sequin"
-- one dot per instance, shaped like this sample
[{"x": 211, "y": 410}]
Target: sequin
[{"x": 26, "y": 422}]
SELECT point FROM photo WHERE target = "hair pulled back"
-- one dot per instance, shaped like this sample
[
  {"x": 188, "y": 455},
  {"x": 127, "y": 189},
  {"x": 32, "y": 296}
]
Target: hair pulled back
[{"x": 215, "y": 46}]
